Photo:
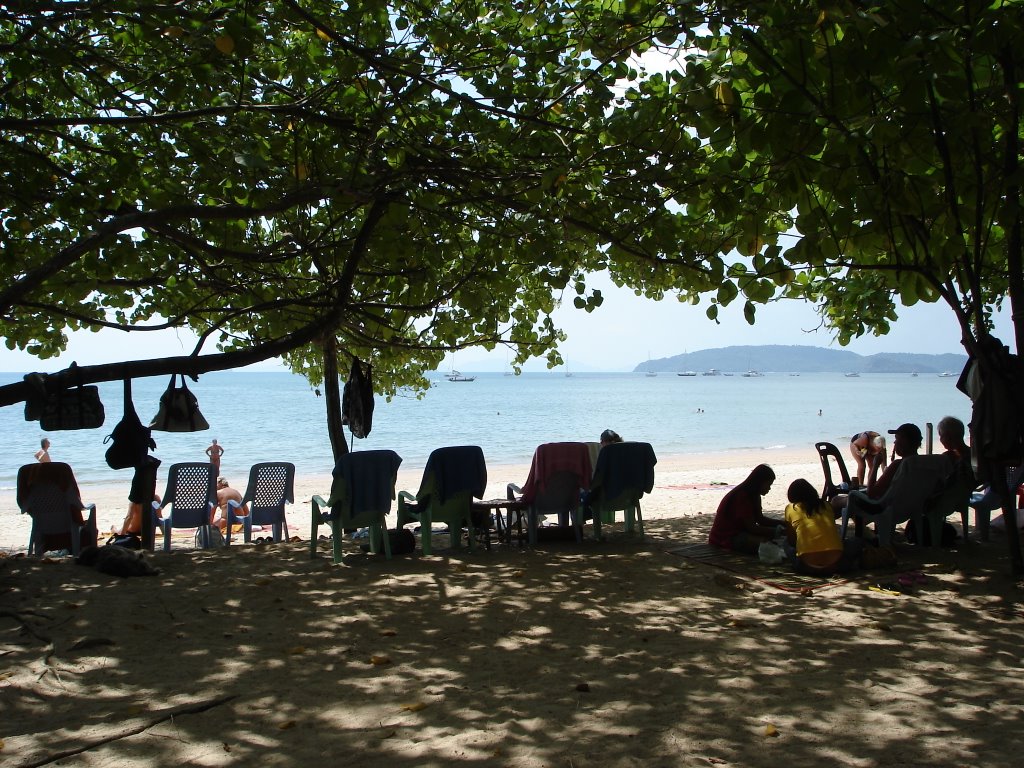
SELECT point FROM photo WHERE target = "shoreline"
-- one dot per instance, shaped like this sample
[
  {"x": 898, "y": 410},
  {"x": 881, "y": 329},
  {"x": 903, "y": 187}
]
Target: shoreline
[{"x": 684, "y": 485}]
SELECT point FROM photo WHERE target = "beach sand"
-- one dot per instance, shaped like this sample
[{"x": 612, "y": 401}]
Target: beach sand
[{"x": 615, "y": 653}]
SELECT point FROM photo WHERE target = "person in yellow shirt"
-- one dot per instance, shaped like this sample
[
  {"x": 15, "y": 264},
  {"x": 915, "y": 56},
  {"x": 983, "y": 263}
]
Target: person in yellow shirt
[{"x": 812, "y": 539}]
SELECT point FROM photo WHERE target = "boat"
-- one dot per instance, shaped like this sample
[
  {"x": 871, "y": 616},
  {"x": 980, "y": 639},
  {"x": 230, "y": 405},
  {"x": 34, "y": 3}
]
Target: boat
[
  {"x": 687, "y": 373},
  {"x": 852, "y": 375},
  {"x": 651, "y": 373},
  {"x": 712, "y": 372},
  {"x": 457, "y": 376},
  {"x": 914, "y": 374},
  {"x": 751, "y": 374},
  {"x": 946, "y": 375}
]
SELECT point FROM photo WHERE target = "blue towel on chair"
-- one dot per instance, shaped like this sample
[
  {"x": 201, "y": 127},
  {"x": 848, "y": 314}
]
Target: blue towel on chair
[
  {"x": 453, "y": 470},
  {"x": 369, "y": 477},
  {"x": 625, "y": 465}
]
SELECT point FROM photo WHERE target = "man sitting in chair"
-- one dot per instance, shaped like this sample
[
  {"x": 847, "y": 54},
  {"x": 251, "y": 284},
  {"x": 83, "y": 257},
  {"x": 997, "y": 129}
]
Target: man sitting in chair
[{"x": 907, "y": 439}]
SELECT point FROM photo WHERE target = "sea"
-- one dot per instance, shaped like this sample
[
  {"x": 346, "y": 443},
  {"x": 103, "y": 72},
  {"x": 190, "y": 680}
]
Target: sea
[{"x": 278, "y": 416}]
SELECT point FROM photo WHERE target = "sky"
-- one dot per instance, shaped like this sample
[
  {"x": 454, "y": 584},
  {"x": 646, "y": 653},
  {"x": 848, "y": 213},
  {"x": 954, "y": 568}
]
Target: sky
[{"x": 625, "y": 331}]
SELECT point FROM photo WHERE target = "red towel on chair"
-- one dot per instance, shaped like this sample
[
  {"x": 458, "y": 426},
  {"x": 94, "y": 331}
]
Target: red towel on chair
[{"x": 550, "y": 458}]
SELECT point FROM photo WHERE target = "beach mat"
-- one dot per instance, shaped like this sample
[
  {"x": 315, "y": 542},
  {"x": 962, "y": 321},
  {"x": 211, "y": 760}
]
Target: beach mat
[{"x": 749, "y": 567}]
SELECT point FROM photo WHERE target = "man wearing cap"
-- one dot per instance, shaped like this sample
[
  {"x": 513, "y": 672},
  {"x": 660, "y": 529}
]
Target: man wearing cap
[
  {"x": 906, "y": 442},
  {"x": 907, "y": 439}
]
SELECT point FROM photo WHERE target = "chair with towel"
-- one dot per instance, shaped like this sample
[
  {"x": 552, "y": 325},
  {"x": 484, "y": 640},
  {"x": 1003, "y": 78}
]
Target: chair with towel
[
  {"x": 48, "y": 493},
  {"x": 361, "y": 495},
  {"x": 271, "y": 486},
  {"x": 560, "y": 472},
  {"x": 191, "y": 494},
  {"x": 916, "y": 480},
  {"x": 624, "y": 473},
  {"x": 452, "y": 478}
]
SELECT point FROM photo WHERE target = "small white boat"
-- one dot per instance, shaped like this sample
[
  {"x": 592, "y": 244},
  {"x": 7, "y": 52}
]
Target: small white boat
[
  {"x": 687, "y": 373},
  {"x": 946, "y": 375},
  {"x": 457, "y": 376},
  {"x": 852, "y": 375},
  {"x": 751, "y": 374},
  {"x": 712, "y": 372}
]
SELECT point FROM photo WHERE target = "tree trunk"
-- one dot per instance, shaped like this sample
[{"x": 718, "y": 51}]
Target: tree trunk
[{"x": 332, "y": 392}]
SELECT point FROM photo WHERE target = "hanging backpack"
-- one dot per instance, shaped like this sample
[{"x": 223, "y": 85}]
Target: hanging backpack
[{"x": 131, "y": 440}]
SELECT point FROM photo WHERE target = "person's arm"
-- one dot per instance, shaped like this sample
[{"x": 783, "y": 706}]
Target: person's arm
[{"x": 877, "y": 488}]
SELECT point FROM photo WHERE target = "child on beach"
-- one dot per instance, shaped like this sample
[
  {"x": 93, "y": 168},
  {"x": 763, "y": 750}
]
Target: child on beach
[
  {"x": 740, "y": 523},
  {"x": 812, "y": 541}
]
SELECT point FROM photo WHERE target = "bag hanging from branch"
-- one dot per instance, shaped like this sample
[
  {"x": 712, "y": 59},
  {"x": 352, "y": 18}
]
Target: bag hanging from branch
[
  {"x": 75, "y": 408},
  {"x": 131, "y": 438},
  {"x": 357, "y": 400},
  {"x": 179, "y": 410}
]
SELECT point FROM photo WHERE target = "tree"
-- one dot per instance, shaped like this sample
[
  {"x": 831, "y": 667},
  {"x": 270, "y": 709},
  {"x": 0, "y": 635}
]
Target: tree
[
  {"x": 855, "y": 155},
  {"x": 386, "y": 180}
]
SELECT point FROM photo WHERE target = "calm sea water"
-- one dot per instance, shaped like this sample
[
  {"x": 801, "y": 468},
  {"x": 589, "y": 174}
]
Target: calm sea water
[{"x": 278, "y": 417}]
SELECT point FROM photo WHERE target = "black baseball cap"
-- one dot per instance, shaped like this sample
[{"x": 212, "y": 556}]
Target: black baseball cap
[{"x": 909, "y": 431}]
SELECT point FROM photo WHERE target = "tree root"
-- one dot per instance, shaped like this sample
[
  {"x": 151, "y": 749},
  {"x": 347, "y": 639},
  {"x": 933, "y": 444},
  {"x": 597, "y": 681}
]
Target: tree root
[{"x": 139, "y": 727}]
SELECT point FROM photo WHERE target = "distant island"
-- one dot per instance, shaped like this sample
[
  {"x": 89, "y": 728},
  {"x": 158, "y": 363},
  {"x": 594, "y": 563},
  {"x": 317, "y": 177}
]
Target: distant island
[{"x": 778, "y": 358}]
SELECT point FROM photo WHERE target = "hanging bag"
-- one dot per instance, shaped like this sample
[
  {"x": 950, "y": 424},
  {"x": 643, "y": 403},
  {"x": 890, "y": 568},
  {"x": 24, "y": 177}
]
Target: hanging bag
[
  {"x": 179, "y": 410},
  {"x": 75, "y": 408},
  {"x": 131, "y": 440}
]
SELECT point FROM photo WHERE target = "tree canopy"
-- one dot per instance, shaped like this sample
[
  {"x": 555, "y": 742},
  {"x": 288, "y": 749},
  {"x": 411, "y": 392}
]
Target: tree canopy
[{"x": 395, "y": 180}]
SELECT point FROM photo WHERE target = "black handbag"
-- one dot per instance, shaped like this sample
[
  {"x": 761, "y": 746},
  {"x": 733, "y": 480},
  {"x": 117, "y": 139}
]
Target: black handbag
[
  {"x": 131, "y": 439},
  {"x": 75, "y": 408},
  {"x": 179, "y": 410}
]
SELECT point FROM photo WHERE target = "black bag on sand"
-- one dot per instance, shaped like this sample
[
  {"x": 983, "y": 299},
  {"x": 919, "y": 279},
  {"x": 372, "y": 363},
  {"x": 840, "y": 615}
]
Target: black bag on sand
[
  {"x": 132, "y": 439},
  {"x": 179, "y": 410},
  {"x": 402, "y": 542},
  {"x": 127, "y": 540}
]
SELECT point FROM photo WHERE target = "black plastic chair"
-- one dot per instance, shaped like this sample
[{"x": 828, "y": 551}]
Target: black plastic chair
[{"x": 828, "y": 453}]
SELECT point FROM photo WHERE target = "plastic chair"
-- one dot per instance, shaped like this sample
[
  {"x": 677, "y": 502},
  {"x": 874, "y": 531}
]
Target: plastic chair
[
  {"x": 829, "y": 453},
  {"x": 49, "y": 494},
  {"x": 361, "y": 494},
  {"x": 560, "y": 472},
  {"x": 915, "y": 482},
  {"x": 191, "y": 494},
  {"x": 452, "y": 478},
  {"x": 271, "y": 486},
  {"x": 624, "y": 473}
]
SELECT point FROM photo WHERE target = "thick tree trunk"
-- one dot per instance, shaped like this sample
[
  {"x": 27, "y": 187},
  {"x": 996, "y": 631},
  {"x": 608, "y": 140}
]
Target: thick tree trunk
[{"x": 332, "y": 392}]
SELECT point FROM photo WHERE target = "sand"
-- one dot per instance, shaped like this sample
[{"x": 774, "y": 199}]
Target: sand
[{"x": 612, "y": 653}]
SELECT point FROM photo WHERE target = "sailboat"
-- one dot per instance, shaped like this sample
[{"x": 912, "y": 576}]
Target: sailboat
[
  {"x": 455, "y": 375},
  {"x": 649, "y": 371}
]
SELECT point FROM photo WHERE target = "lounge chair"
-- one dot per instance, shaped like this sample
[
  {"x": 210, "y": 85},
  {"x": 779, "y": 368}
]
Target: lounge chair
[
  {"x": 917, "y": 479},
  {"x": 361, "y": 494},
  {"x": 271, "y": 486},
  {"x": 828, "y": 454},
  {"x": 560, "y": 472},
  {"x": 49, "y": 494},
  {"x": 624, "y": 473},
  {"x": 452, "y": 478},
  {"x": 191, "y": 494}
]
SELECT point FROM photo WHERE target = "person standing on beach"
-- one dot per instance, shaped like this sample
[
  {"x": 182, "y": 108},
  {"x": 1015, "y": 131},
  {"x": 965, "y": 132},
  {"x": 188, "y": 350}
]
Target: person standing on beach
[
  {"x": 864, "y": 447},
  {"x": 215, "y": 452},
  {"x": 43, "y": 454},
  {"x": 740, "y": 523}
]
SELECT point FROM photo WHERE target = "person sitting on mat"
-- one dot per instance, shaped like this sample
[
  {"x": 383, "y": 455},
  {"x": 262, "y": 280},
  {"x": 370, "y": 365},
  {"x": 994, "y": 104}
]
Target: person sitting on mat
[
  {"x": 740, "y": 523},
  {"x": 812, "y": 540}
]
